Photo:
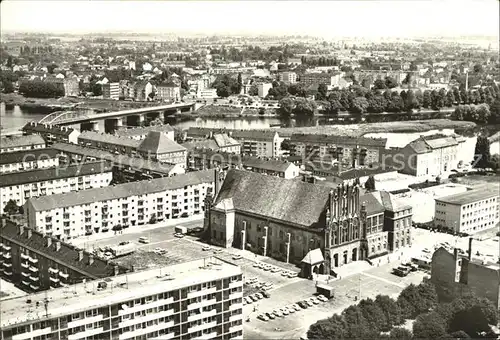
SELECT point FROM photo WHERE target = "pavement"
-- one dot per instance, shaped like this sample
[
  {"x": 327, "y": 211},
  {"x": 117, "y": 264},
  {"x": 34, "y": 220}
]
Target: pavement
[{"x": 8, "y": 290}]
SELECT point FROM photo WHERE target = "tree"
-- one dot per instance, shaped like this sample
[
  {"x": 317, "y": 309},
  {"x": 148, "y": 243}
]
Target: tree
[
  {"x": 406, "y": 301},
  {"x": 304, "y": 107},
  {"x": 223, "y": 91},
  {"x": 391, "y": 311},
  {"x": 482, "y": 153},
  {"x": 331, "y": 328},
  {"x": 372, "y": 313},
  {"x": 427, "y": 100},
  {"x": 322, "y": 91},
  {"x": 390, "y": 82},
  {"x": 286, "y": 106},
  {"x": 483, "y": 113},
  {"x": 156, "y": 122},
  {"x": 262, "y": 111},
  {"x": 359, "y": 105},
  {"x": 51, "y": 68},
  {"x": 400, "y": 333},
  {"x": 411, "y": 101},
  {"x": 429, "y": 326},
  {"x": 376, "y": 104},
  {"x": 11, "y": 208},
  {"x": 357, "y": 326},
  {"x": 379, "y": 84},
  {"x": 8, "y": 87},
  {"x": 370, "y": 183}
]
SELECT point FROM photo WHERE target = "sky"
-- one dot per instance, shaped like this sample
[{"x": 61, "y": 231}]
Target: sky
[{"x": 369, "y": 18}]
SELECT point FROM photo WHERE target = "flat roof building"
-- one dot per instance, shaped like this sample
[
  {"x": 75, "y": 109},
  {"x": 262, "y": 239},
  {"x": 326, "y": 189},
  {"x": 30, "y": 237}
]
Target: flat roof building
[{"x": 201, "y": 299}]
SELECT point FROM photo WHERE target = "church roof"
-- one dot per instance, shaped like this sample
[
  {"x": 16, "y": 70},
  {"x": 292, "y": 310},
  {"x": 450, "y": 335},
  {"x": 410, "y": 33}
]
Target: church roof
[{"x": 313, "y": 257}]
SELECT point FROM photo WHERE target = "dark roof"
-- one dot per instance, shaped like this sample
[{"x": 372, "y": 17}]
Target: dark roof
[
  {"x": 46, "y": 128},
  {"x": 471, "y": 196},
  {"x": 121, "y": 190},
  {"x": 67, "y": 254},
  {"x": 267, "y": 135},
  {"x": 141, "y": 131},
  {"x": 291, "y": 201},
  {"x": 47, "y": 174},
  {"x": 121, "y": 160},
  {"x": 341, "y": 140},
  {"x": 372, "y": 203},
  {"x": 157, "y": 143},
  {"x": 19, "y": 141},
  {"x": 107, "y": 138},
  {"x": 419, "y": 146},
  {"x": 28, "y": 155}
]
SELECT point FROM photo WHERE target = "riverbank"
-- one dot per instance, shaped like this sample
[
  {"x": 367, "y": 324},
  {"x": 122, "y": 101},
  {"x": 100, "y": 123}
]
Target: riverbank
[{"x": 358, "y": 130}]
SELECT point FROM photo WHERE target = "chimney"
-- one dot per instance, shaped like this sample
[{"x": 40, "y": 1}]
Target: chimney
[
  {"x": 470, "y": 248},
  {"x": 455, "y": 254},
  {"x": 91, "y": 259},
  {"x": 58, "y": 245},
  {"x": 30, "y": 232},
  {"x": 80, "y": 255},
  {"x": 21, "y": 229},
  {"x": 49, "y": 241},
  {"x": 116, "y": 270}
]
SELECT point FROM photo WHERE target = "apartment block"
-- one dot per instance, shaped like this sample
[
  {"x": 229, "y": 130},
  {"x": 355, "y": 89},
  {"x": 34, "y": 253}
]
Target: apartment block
[
  {"x": 18, "y": 143},
  {"x": 350, "y": 151},
  {"x": 201, "y": 299},
  {"x": 26, "y": 160},
  {"x": 263, "y": 89},
  {"x": 21, "y": 186},
  {"x": 168, "y": 92},
  {"x": 288, "y": 77},
  {"x": 52, "y": 133},
  {"x": 140, "y": 133},
  {"x": 39, "y": 262},
  {"x": 111, "y": 91},
  {"x": 131, "y": 204},
  {"x": 469, "y": 212},
  {"x": 309, "y": 79}
]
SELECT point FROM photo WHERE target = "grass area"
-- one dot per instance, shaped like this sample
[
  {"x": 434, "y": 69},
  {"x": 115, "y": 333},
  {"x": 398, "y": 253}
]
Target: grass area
[
  {"x": 357, "y": 130},
  {"x": 3, "y": 294},
  {"x": 475, "y": 180},
  {"x": 215, "y": 111},
  {"x": 141, "y": 260}
]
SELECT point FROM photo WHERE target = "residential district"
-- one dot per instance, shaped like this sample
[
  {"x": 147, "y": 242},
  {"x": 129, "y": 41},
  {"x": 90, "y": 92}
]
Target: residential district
[{"x": 378, "y": 220}]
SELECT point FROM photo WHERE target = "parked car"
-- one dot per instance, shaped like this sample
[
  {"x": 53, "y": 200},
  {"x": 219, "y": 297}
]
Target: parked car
[
  {"x": 206, "y": 248},
  {"x": 309, "y": 303},
  {"x": 401, "y": 271},
  {"x": 248, "y": 299},
  {"x": 265, "y": 294},
  {"x": 284, "y": 311},
  {"x": 290, "y": 309},
  {"x": 275, "y": 270},
  {"x": 179, "y": 235},
  {"x": 237, "y": 257},
  {"x": 143, "y": 239},
  {"x": 314, "y": 300},
  {"x": 259, "y": 296},
  {"x": 278, "y": 313},
  {"x": 271, "y": 316},
  {"x": 322, "y": 298},
  {"x": 302, "y": 304},
  {"x": 293, "y": 274},
  {"x": 218, "y": 251},
  {"x": 262, "y": 317},
  {"x": 296, "y": 307}
]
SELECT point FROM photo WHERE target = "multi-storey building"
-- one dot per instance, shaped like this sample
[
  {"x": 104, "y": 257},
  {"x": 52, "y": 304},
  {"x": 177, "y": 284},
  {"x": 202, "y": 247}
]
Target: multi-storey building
[
  {"x": 140, "y": 133},
  {"x": 52, "y": 133},
  {"x": 456, "y": 274},
  {"x": 20, "y": 186},
  {"x": 127, "y": 205},
  {"x": 201, "y": 159},
  {"x": 469, "y": 212},
  {"x": 193, "y": 300},
  {"x": 263, "y": 143},
  {"x": 288, "y": 77},
  {"x": 217, "y": 142},
  {"x": 18, "y": 143},
  {"x": 350, "y": 151},
  {"x": 263, "y": 89},
  {"x": 430, "y": 156},
  {"x": 28, "y": 159},
  {"x": 309, "y": 79},
  {"x": 111, "y": 91},
  {"x": 39, "y": 262},
  {"x": 130, "y": 168},
  {"x": 288, "y": 219},
  {"x": 168, "y": 92},
  {"x": 156, "y": 145},
  {"x": 69, "y": 86}
]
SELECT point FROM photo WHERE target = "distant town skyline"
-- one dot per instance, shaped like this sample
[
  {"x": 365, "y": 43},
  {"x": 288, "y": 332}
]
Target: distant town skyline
[{"x": 326, "y": 19}]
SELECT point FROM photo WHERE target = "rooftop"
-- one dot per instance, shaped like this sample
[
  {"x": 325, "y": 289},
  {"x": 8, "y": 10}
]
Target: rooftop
[
  {"x": 223, "y": 140},
  {"x": 142, "y": 131},
  {"x": 121, "y": 190},
  {"x": 135, "y": 163},
  {"x": 66, "y": 255},
  {"x": 28, "y": 155},
  {"x": 83, "y": 296},
  {"x": 109, "y": 139},
  {"x": 47, "y": 174},
  {"x": 19, "y": 141},
  {"x": 341, "y": 140},
  {"x": 471, "y": 196},
  {"x": 46, "y": 128},
  {"x": 267, "y": 135},
  {"x": 158, "y": 143}
]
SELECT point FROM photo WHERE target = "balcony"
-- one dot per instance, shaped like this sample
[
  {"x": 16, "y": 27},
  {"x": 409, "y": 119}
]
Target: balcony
[
  {"x": 34, "y": 278},
  {"x": 202, "y": 326},
  {"x": 7, "y": 255},
  {"x": 33, "y": 269},
  {"x": 24, "y": 274},
  {"x": 53, "y": 270},
  {"x": 211, "y": 335},
  {"x": 25, "y": 283},
  {"x": 25, "y": 265},
  {"x": 235, "y": 317},
  {"x": 201, "y": 304},
  {"x": 63, "y": 275},
  {"x": 197, "y": 293},
  {"x": 236, "y": 284},
  {"x": 235, "y": 295},
  {"x": 54, "y": 279},
  {"x": 34, "y": 286},
  {"x": 33, "y": 260},
  {"x": 202, "y": 315},
  {"x": 7, "y": 265},
  {"x": 235, "y": 306},
  {"x": 6, "y": 247},
  {"x": 7, "y": 272}
]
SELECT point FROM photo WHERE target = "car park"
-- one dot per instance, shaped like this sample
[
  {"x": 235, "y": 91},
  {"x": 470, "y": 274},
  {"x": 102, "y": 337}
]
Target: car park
[
  {"x": 278, "y": 313},
  {"x": 271, "y": 316},
  {"x": 293, "y": 274},
  {"x": 263, "y": 317},
  {"x": 290, "y": 309},
  {"x": 296, "y": 307},
  {"x": 256, "y": 265}
]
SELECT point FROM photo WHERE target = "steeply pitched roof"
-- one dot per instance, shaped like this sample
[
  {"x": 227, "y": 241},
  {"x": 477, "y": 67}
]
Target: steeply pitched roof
[
  {"x": 157, "y": 143},
  {"x": 439, "y": 143},
  {"x": 378, "y": 201},
  {"x": 28, "y": 155},
  {"x": 121, "y": 190},
  {"x": 313, "y": 257},
  {"x": 46, "y": 174},
  {"x": 67, "y": 254},
  {"x": 372, "y": 202},
  {"x": 419, "y": 146},
  {"x": 21, "y": 141},
  {"x": 291, "y": 201}
]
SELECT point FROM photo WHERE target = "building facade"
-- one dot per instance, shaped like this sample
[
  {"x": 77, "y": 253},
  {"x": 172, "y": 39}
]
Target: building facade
[
  {"x": 309, "y": 79},
  {"x": 258, "y": 143},
  {"x": 18, "y": 143},
  {"x": 159, "y": 147},
  {"x": 350, "y": 151},
  {"x": 192, "y": 300},
  {"x": 26, "y": 160},
  {"x": 140, "y": 133},
  {"x": 21, "y": 186},
  {"x": 288, "y": 77},
  {"x": 131, "y": 204},
  {"x": 111, "y": 91},
  {"x": 469, "y": 212},
  {"x": 263, "y": 89},
  {"x": 255, "y": 212},
  {"x": 168, "y": 92},
  {"x": 39, "y": 262},
  {"x": 52, "y": 133}
]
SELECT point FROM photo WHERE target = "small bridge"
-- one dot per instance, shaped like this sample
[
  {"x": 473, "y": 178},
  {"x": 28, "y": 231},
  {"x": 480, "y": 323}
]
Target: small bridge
[{"x": 75, "y": 117}]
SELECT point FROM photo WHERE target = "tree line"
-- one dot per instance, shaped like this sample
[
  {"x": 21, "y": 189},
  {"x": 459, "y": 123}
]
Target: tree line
[
  {"x": 466, "y": 316},
  {"x": 41, "y": 89}
]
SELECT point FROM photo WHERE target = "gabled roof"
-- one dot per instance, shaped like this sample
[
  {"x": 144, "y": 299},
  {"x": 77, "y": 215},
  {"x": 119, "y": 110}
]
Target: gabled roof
[
  {"x": 45, "y": 128},
  {"x": 158, "y": 143},
  {"x": 21, "y": 141},
  {"x": 107, "y": 138},
  {"x": 291, "y": 201},
  {"x": 419, "y": 146},
  {"x": 28, "y": 156},
  {"x": 223, "y": 140},
  {"x": 67, "y": 254},
  {"x": 313, "y": 257},
  {"x": 204, "y": 144}
]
